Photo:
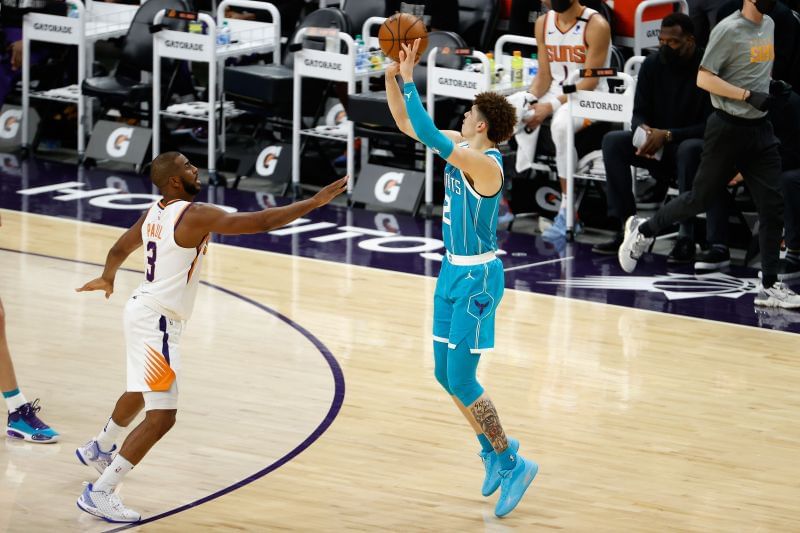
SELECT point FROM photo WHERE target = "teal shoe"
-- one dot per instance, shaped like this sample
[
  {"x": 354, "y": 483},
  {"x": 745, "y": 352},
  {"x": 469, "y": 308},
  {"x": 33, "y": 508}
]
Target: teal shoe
[
  {"x": 491, "y": 463},
  {"x": 24, "y": 424},
  {"x": 513, "y": 485}
]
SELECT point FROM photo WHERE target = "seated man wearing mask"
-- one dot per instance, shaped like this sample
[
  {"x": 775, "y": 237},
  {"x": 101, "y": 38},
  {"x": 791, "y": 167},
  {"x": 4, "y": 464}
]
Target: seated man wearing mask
[
  {"x": 574, "y": 37},
  {"x": 671, "y": 110}
]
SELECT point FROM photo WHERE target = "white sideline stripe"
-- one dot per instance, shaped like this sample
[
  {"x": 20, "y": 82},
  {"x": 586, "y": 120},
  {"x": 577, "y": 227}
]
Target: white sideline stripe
[
  {"x": 303, "y": 228},
  {"x": 540, "y": 263}
]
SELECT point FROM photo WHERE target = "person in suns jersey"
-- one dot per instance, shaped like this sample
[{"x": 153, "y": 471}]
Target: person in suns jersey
[
  {"x": 175, "y": 233},
  {"x": 470, "y": 284},
  {"x": 575, "y": 37}
]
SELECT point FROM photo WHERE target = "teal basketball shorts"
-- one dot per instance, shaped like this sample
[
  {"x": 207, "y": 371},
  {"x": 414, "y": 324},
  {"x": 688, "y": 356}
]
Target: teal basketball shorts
[{"x": 465, "y": 303}]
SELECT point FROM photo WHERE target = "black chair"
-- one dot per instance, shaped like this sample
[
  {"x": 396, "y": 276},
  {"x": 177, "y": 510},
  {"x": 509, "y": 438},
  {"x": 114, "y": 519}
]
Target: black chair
[
  {"x": 269, "y": 87},
  {"x": 522, "y": 19},
  {"x": 360, "y": 10},
  {"x": 123, "y": 89},
  {"x": 477, "y": 20}
]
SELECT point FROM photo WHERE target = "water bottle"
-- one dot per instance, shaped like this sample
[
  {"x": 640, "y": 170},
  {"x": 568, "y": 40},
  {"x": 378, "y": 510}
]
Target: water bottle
[
  {"x": 376, "y": 59},
  {"x": 224, "y": 34},
  {"x": 534, "y": 66},
  {"x": 492, "y": 70},
  {"x": 332, "y": 39},
  {"x": 73, "y": 12},
  {"x": 516, "y": 69},
  {"x": 362, "y": 61}
]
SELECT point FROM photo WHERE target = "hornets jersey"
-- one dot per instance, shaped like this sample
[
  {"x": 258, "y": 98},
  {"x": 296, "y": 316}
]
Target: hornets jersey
[
  {"x": 172, "y": 272},
  {"x": 469, "y": 220}
]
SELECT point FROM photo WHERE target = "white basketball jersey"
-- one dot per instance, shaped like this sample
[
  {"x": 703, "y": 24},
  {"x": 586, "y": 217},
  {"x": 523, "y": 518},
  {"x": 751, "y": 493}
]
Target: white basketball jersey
[
  {"x": 566, "y": 50},
  {"x": 172, "y": 272}
]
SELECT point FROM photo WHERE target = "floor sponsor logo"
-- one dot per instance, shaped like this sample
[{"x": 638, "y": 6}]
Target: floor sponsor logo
[{"x": 673, "y": 286}]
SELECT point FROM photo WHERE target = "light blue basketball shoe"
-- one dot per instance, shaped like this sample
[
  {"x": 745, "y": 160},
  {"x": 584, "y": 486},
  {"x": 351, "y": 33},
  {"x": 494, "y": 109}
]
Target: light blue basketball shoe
[
  {"x": 24, "y": 424},
  {"x": 491, "y": 463},
  {"x": 558, "y": 230},
  {"x": 513, "y": 485}
]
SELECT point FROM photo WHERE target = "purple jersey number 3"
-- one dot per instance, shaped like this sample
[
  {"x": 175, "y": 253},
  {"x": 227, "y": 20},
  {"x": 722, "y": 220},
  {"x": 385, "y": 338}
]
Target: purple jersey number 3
[{"x": 151, "y": 261}]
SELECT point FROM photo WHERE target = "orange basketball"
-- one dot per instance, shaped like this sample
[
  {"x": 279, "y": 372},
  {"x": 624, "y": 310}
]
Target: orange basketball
[{"x": 402, "y": 28}]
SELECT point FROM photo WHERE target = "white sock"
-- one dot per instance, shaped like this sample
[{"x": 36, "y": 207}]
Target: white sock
[
  {"x": 15, "y": 401},
  {"x": 108, "y": 436},
  {"x": 113, "y": 474}
]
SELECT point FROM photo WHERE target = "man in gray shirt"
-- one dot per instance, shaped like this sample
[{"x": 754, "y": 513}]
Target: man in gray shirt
[{"x": 736, "y": 71}]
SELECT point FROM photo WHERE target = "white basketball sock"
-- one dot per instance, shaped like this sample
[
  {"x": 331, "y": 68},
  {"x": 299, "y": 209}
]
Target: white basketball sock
[
  {"x": 113, "y": 474},
  {"x": 14, "y": 400},
  {"x": 108, "y": 436}
]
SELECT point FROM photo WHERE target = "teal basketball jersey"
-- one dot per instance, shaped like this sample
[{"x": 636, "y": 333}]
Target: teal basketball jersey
[{"x": 469, "y": 220}]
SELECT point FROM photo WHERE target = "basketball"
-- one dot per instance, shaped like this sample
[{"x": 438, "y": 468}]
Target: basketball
[{"x": 402, "y": 28}]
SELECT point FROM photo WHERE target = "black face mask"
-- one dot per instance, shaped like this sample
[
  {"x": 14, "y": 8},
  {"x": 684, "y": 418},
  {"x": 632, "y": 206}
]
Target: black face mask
[
  {"x": 765, "y": 6},
  {"x": 560, "y": 6},
  {"x": 670, "y": 56}
]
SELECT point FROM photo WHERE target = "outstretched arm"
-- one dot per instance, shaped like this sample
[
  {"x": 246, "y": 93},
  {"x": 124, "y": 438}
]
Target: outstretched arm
[
  {"x": 481, "y": 168},
  {"x": 423, "y": 125},
  {"x": 125, "y": 246},
  {"x": 201, "y": 219},
  {"x": 395, "y": 99}
]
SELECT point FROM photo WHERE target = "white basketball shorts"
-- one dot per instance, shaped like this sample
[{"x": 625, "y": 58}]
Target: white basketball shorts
[{"x": 153, "y": 354}]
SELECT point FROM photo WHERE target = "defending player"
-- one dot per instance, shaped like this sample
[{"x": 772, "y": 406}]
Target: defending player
[
  {"x": 470, "y": 283},
  {"x": 175, "y": 232}
]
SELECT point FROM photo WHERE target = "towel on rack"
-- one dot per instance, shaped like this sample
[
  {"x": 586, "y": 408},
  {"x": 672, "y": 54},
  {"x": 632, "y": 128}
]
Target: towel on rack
[{"x": 525, "y": 137}]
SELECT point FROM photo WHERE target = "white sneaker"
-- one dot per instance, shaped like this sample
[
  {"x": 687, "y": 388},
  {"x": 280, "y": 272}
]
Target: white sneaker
[
  {"x": 779, "y": 295},
  {"x": 91, "y": 455},
  {"x": 106, "y": 505},
  {"x": 633, "y": 245}
]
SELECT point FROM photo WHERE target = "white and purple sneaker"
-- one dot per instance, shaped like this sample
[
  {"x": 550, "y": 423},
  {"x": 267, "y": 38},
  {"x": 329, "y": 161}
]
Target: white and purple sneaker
[
  {"x": 106, "y": 505},
  {"x": 90, "y": 454}
]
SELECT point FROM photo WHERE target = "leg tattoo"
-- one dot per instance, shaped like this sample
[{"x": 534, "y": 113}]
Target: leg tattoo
[{"x": 486, "y": 415}]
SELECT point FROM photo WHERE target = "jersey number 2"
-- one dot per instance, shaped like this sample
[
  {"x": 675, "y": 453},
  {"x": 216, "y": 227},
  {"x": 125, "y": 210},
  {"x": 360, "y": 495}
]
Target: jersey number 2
[
  {"x": 150, "y": 275},
  {"x": 446, "y": 210}
]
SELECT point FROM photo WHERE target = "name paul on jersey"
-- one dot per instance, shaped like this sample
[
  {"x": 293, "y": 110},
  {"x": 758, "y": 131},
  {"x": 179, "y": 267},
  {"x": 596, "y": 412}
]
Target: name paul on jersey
[{"x": 154, "y": 231}]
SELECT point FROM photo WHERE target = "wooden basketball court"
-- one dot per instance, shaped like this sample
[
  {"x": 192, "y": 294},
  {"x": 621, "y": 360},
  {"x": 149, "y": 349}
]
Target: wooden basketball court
[{"x": 640, "y": 421}]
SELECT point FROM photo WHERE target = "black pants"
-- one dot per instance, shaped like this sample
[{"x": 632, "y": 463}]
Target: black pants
[
  {"x": 791, "y": 196},
  {"x": 680, "y": 160},
  {"x": 752, "y": 148}
]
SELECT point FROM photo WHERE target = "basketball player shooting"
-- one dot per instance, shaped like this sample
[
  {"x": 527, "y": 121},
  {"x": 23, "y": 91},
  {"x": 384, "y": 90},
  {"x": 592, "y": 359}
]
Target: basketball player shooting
[
  {"x": 175, "y": 232},
  {"x": 471, "y": 282}
]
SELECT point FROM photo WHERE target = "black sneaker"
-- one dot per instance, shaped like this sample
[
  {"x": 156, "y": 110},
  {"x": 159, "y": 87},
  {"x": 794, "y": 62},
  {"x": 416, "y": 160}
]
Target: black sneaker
[
  {"x": 790, "y": 268},
  {"x": 609, "y": 247},
  {"x": 683, "y": 252},
  {"x": 715, "y": 258}
]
